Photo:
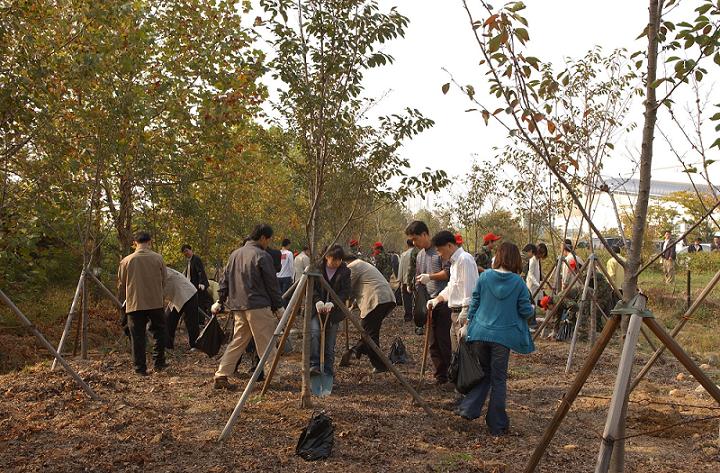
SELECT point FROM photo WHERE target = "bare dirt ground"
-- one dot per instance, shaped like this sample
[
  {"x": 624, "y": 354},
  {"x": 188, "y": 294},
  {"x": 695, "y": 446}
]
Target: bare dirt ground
[{"x": 169, "y": 421}]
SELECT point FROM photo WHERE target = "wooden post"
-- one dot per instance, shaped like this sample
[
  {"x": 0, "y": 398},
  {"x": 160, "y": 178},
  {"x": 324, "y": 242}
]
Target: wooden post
[
  {"x": 563, "y": 295},
  {"x": 573, "y": 391},
  {"x": 263, "y": 359},
  {"x": 581, "y": 308},
  {"x": 43, "y": 341},
  {"x": 305, "y": 393},
  {"x": 543, "y": 283},
  {"x": 683, "y": 320},
  {"x": 85, "y": 323},
  {"x": 105, "y": 290},
  {"x": 68, "y": 322},
  {"x": 370, "y": 343},
  {"x": 614, "y": 425}
]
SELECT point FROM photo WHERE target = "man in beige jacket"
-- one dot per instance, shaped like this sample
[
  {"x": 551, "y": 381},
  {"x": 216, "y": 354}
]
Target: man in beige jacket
[
  {"x": 141, "y": 277},
  {"x": 376, "y": 300}
]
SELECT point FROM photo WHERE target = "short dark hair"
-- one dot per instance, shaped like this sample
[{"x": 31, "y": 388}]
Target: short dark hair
[
  {"x": 698, "y": 239},
  {"x": 508, "y": 257},
  {"x": 416, "y": 227},
  {"x": 141, "y": 236},
  {"x": 531, "y": 248},
  {"x": 350, "y": 256},
  {"x": 305, "y": 247},
  {"x": 542, "y": 249},
  {"x": 185, "y": 247},
  {"x": 409, "y": 242},
  {"x": 286, "y": 242},
  {"x": 443, "y": 238},
  {"x": 335, "y": 252},
  {"x": 261, "y": 230}
]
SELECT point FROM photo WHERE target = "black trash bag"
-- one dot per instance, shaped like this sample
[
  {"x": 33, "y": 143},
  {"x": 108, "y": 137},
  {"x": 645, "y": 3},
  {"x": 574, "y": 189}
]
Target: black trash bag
[
  {"x": 469, "y": 371},
  {"x": 398, "y": 353},
  {"x": 453, "y": 367},
  {"x": 317, "y": 439},
  {"x": 420, "y": 298},
  {"x": 211, "y": 338}
]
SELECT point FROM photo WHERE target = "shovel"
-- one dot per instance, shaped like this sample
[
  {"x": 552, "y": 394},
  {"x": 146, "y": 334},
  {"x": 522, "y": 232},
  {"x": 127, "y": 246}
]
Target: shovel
[{"x": 322, "y": 384}]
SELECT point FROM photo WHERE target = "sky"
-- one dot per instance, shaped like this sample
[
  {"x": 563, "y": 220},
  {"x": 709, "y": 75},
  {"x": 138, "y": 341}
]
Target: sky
[{"x": 439, "y": 42}]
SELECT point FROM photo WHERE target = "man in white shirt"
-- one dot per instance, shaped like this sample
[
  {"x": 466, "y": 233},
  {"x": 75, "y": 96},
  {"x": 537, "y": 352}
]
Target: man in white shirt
[
  {"x": 301, "y": 262},
  {"x": 463, "y": 278},
  {"x": 287, "y": 269}
]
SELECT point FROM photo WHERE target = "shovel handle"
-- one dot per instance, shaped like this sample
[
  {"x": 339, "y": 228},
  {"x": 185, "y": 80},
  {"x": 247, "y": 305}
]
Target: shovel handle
[{"x": 426, "y": 346}]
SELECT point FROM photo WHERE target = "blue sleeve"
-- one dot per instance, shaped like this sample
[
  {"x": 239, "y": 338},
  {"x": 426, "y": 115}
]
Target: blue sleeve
[
  {"x": 524, "y": 307},
  {"x": 475, "y": 299}
]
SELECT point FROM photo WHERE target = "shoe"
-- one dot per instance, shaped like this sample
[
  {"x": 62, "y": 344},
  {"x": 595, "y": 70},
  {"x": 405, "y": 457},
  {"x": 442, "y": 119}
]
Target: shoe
[
  {"x": 379, "y": 370},
  {"x": 345, "y": 360},
  {"x": 141, "y": 372},
  {"x": 419, "y": 330},
  {"x": 222, "y": 382},
  {"x": 314, "y": 370},
  {"x": 160, "y": 366},
  {"x": 194, "y": 350}
]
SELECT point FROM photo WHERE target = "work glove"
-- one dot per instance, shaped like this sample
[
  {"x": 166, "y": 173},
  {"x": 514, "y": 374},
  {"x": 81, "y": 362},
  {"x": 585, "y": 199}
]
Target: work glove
[
  {"x": 463, "y": 317},
  {"x": 432, "y": 303},
  {"x": 423, "y": 279},
  {"x": 201, "y": 286},
  {"x": 216, "y": 307},
  {"x": 320, "y": 307},
  {"x": 329, "y": 307},
  {"x": 463, "y": 332}
]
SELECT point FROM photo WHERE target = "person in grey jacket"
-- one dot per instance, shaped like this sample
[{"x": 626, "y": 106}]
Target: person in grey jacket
[{"x": 251, "y": 292}]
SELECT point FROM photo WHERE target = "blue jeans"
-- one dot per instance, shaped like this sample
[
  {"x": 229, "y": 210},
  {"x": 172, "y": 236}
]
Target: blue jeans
[
  {"x": 284, "y": 284},
  {"x": 494, "y": 360},
  {"x": 331, "y": 330}
]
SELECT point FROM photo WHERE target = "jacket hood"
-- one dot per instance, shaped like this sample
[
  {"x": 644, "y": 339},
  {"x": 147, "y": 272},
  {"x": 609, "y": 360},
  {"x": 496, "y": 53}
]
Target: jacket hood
[{"x": 501, "y": 285}]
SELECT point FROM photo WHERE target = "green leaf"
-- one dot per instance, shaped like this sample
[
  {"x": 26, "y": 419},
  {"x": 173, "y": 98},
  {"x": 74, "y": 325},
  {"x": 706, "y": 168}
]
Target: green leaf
[
  {"x": 716, "y": 143},
  {"x": 445, "y": 88},
  {"x": 522, "y": 34}
]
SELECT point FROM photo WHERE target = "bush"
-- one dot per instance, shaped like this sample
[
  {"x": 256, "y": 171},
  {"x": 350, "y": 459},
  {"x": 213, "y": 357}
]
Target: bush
[{"x": 701, "y": 262}]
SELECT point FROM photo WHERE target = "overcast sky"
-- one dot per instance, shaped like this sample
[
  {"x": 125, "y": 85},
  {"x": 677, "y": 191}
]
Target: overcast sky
[{"x": 439, "y": 37}]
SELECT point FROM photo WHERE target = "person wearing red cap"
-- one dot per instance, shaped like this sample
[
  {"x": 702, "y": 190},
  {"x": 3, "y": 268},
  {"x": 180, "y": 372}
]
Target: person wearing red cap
[
  {"x": 382, "y": 260},
  {"x": 355, "y": 249},
  {"x": 573, "y": 263},
  {"x": 485, "y": 257}
]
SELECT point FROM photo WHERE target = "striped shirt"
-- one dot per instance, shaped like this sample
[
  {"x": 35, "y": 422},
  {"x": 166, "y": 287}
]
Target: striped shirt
[{"x": 430, "y": 262}]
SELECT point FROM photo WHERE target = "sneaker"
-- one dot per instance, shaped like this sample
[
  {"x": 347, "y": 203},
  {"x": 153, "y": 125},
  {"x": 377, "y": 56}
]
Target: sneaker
[
  {"x": 345, "y": 360},
  {"x": 222, "y": 382},
  {"x": 142, "y": 372}
]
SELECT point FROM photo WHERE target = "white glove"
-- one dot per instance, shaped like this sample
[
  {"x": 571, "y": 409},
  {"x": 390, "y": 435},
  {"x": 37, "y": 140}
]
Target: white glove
[
  {"x": 423, "y": 279},
  {"x": 201, "y": 286},
  {"x": 216, "y": 307},
  {"x": 463, "y": 331},
  {"x": 320, "y": 307},
  {"x": 432, "y": 303},
  {"x": 329, "y": 307},
  {"x": 462, "y": 317}
]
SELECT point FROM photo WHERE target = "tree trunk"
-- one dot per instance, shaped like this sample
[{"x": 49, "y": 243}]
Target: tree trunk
[{"x": 125, "y": 213}]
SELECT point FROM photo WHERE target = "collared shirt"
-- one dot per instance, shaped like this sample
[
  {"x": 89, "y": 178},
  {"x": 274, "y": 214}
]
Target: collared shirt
[
  {"x": 463, "y": 279},
  {"x": 249, "y": 280},
  {"x": 430, "y": 262},
  {"x": 141, "y": 276},
  {"x": 616, "y": 271},
  {"x": 287, "y": 269}
]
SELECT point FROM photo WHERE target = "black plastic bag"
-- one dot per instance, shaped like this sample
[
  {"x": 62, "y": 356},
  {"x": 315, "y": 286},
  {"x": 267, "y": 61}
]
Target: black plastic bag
[
  {"x": 211, "y": 338},
  {"x": 398, "y": 353},
  {"x": 469, "y": 371},
  {"x": 420, "y": 298},
  {"x": 317, "y": 439}
]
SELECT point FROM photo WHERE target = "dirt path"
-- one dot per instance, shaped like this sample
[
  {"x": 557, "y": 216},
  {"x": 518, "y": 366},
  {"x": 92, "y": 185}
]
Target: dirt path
[{"x": 169, "y": 421}]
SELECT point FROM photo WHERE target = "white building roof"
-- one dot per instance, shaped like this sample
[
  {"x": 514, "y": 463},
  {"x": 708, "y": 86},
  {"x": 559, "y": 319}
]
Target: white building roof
[{"x": 658, "y": 189}]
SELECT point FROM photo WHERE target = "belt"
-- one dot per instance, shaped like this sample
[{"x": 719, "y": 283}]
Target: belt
[{"x": 456, "y": 310}]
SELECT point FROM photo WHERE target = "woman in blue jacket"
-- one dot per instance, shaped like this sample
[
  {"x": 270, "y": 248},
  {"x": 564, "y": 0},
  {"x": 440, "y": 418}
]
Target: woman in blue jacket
[{"x": 497, "y": 323}]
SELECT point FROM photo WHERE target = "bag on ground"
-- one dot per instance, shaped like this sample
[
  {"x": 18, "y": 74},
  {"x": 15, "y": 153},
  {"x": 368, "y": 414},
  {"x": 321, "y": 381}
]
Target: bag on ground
[
  {"x": 398, "y": 352},
  {"x": 469, "y": 373},
  {"x": 211, "y": 338},
  {"x": 317, "y": 439}
]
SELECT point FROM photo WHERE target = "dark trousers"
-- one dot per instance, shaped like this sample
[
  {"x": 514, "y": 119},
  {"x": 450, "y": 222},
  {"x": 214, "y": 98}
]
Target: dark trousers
[
  {"x": 285, "y": 284},
  {"x": 494, "y": 360},
  {"x": 440, "y": 343},
  {"x": 407, "y": 300},
  {"x": 192, "y": 318},
  {"x": 137, "y": 321},
  {"x": 372, "y": 323}
]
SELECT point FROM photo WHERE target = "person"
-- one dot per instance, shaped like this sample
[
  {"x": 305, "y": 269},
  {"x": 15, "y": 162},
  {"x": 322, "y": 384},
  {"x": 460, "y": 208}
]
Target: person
[
  {"x": 696, "y": 247},
  {"x": 195, "y": 272},
  {"x": 183, "y": 299},
  {"x": 301, "y": 262},
  {"x": 497, "y": 323},
  {"x": 615, "y": 269},
  {"x": 668, "y": 259},
  {"x": 355, "y": 249},
  {"x": 140, "y": 280},
  {"x": 572, "y": 263},
  {"x": 287, "y": 269},
  {"x": 715, "y": 245},
  {"x": 381, "y": 260},
  {"x": 533, "y": 278},
  {"x": 431, "y": 277},
  {"x": 463, "y": 276},
  {"x": 542, "y": 255},
  {"x": 251, "y": 292},
  {"x": 484, "y": 258},
  {"x": 407, "y": 279},
  {"x": 337, "y": 275},
  {"x": 375, "y": 299}
]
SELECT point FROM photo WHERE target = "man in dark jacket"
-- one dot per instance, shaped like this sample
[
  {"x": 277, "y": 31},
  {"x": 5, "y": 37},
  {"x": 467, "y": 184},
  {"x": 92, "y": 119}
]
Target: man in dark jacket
[
  {"x": 195, "y": 272},
  {"x": 250, "y": 290}
]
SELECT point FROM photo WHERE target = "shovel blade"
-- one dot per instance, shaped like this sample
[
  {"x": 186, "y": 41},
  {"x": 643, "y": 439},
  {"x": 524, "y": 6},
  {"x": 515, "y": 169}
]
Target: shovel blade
[
  {"x": 316, "y": 384},
  {"x": 327, "y": 384}
]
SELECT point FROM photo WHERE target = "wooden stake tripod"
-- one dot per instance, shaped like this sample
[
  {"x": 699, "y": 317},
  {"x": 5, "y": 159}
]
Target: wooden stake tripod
[
  {"x": 615, "y": 420},
  {"x": 304, "y": 290}
]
